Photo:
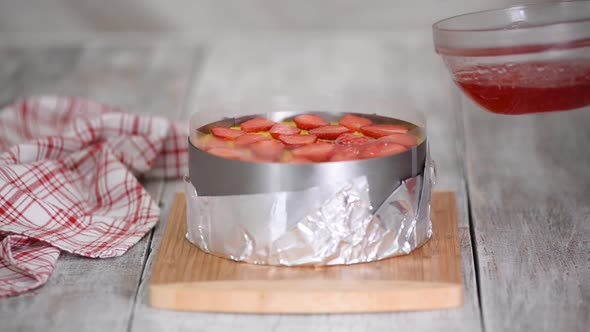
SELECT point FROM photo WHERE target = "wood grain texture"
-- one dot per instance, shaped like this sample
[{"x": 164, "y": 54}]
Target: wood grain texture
[
  {"x": 405, "y": 68},
  {"x": 79, "y": 20},
  {"x": 529, "y": 183},
  {"x": 92, "y": 294},
  {"x": 185, "y": 278}
]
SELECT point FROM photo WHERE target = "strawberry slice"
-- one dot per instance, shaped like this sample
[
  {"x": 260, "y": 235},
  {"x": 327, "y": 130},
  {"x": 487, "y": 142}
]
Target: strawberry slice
[
  {"x": 256, "y": 125},
  {"x": 380, "y": 149},
  {"x": 227, "y": 153},
  {"x": 352, "y": 139},
  {"x": 329, "y": 132},
  {"x": 248, "y": 139},
  {"x": 315, "y": 152},
  {"x": 401, "y": 139},
  {"x": 268, "y": 150},
  {"x": 295, "y": 141},
  {"x": 226, "y": 133},
  {"x": 310, "y": 121},
  {"x": 321, "y": 141},
  {"x": 354, "y": 122},
  {"x": 346, "y": 152},
  {"x": 281, "y": 129},
  {"x": 212, "y": 142},
  {"x": 381, "y": 130}
]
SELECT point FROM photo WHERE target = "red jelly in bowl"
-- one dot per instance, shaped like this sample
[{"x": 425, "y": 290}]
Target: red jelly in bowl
[{"x": 519, "y": 60}]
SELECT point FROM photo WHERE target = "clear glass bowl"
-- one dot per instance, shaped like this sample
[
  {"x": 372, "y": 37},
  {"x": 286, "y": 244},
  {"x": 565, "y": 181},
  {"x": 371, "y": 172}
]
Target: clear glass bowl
[{"x": 523, "y": 59}]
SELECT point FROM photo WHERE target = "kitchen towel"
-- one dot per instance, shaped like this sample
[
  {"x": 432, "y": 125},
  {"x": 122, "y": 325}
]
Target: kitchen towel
[{"x": 69, "y": 170}]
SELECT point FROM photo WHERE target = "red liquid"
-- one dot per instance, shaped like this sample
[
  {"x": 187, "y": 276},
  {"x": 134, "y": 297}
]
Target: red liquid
[{"x": 528, "y": 87}]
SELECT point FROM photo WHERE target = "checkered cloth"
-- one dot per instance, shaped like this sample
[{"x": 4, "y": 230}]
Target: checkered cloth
[{"x": 68, "y": 181}]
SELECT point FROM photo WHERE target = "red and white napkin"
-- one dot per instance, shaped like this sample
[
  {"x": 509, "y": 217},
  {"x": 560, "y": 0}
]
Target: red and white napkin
[{"x": 68, "y": 181}]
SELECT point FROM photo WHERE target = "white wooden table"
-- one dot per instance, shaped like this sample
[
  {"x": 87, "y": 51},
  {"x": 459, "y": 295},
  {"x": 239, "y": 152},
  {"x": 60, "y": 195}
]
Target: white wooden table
[{"x": 523, "y": 183}]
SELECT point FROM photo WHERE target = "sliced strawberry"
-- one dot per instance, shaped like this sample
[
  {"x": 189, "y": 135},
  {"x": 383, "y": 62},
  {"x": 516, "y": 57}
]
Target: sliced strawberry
[
  {"x": 381, "y": 130},
  {"x": 352, "y": 139},
  {"x": 295, "y": 141},
  {"x": 315, "y": 152},
  {"x": 212, "y": 142},
  {"x": 248, "y": 139},
  {"x": 321, "y": 141},
  {"x": 268, "y": 150},
  {"x": 256, "y": 125},
  {"x": 254, "y": 159},
  {"x": 353, "y": 122},
  {"x": 310, "y": 121},
  {"x": 346, "y": 152},
  {"x": 227, "y": 153},
  {"x": 402, "y": 139},
  {"x": 380, "y": 149},
  {"x": 281, "y": 129},
  {"x": 329, "y": 132},
  {"x": 227, "y": 133}
]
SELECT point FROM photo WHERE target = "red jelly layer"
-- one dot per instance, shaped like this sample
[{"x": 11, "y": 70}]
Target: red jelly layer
[{"x": 522, "y": 88}]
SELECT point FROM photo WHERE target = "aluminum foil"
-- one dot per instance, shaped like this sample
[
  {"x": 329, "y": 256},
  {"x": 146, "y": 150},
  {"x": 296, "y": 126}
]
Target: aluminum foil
[{"x": 327, "y": 225}]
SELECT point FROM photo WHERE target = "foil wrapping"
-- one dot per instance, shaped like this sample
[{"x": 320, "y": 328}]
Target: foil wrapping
[{"x": 327, "y": 225}]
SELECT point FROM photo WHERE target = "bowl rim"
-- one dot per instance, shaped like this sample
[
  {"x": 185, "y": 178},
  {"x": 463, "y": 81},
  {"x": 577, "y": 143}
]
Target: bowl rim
[
  {"x": 437, "y": 25},
  {"x": 500, "y": 40}
]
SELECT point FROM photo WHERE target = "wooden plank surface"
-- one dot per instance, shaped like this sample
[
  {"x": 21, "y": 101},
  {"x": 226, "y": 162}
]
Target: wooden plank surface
[
  {"x": 406, "y": 69},
  {"x": 186, "y": 278},
  {"x": 92, "y": 294},
  {"x": 529, "y": 180}
]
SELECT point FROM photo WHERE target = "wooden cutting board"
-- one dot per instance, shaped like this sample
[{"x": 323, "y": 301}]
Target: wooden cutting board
[{"x": 185, "y": 278}]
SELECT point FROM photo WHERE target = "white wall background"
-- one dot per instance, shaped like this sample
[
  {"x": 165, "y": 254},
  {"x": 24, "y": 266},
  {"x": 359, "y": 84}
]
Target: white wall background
[{"x": 75, "y": 19}]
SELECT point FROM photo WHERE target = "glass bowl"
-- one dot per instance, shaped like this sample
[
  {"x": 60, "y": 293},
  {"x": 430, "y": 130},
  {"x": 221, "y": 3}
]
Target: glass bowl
[{"x": 523, "y": 59}]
